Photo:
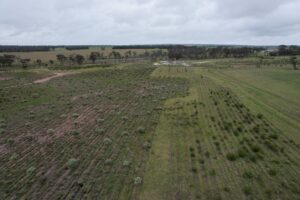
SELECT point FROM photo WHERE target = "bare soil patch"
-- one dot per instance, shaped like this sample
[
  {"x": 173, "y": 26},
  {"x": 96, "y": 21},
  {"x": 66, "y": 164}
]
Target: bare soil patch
[{"x": 5, "y": 78}]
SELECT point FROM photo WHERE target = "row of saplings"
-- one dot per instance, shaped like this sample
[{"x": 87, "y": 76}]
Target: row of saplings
[{"x": 73, "y": 163}]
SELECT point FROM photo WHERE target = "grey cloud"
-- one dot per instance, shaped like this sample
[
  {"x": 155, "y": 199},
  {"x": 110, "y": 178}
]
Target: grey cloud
[{"x": 149, "y": 21}]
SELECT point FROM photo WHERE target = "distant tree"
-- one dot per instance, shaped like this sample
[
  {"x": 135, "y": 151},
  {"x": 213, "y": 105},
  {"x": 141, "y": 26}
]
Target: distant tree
[
  {"x": 260, "y": 61},
  {"x": 39, "y": 62},
  {"x": 293, "y": 61},
  {"x": 128, "y": 54},
  {"x": 175, "y": 55},
  {"x": 7, "y": 60},
  {"x": 114, "y": 54},
  {"x": 51, "y": 62},
  {"x": 25, "y": 62},
  {"x": 79, "y": 59},
  {"x": 93, "y": 56},
  {"x": 72, "y": 59},
  {"x": 61, "y": 58}
]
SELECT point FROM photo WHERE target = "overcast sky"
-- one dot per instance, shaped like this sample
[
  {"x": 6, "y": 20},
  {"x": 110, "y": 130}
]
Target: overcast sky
[{"x": 257, "y": 22}]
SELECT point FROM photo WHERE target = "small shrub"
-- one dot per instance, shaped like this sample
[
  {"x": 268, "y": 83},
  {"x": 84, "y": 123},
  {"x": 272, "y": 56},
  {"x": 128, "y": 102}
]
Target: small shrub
[
  {"x": 274, "y": 136},
  {"x": 13, "y": 157},
  {"x": 192, "y": 155},
  {"x": 74, "y": 132},
  {"x": 242, "y": 153},
  {"x": 212, "y": 172},
  {"x": 27, "y": 124},
  {"x": 35, "y": 95},
  {"x": 252, "y": 157},
  {"x": 124, "y": 118},
  {"x": 75, "y": 115},
  {"x": 259, "y": 116},
  {"x": 226, "y": 189},
  {"x": 108, "y": 161},
  {"x": 231, "y": 156},
  {"x": 2, "y": 124},
  {"x": 255, "y": 148},
  {"x": 137, "y": 181},
  {"x": 125, "y": 133},
  {"x": 247, "y": 190},
  {"x": 194, "y": 170},
  {"x": 100, "y": 120},
  {"x": 248, "y": 175},
  {"x": 2, "y": 130},
  {"x": 146, "y": 145},
  {"x": 207, "y": 154},
  {"x": 272, "y": 172},
  {"x": 31, "y": 114},
  {"x": 99, "y": 130},
  {"x": 240, "y": 129},
  {"x": 126, "y": 163},
  {"x": 10, "y": 141},
  {"x": 201, "y": 161},
  {"x": 107, "y": 141},
  {"x": 141, "y": 130},
  {"x": 30, "y": 170},
  {"x": 72, "y": 163},
  {"x": 50, "y": 131}
]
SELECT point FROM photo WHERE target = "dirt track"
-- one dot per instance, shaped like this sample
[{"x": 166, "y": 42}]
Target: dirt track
[{"x": 59, "y": 74}]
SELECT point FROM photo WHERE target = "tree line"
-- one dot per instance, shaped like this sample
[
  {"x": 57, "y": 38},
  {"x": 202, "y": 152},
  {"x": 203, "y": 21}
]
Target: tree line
[
  {"x": 198, "y": 52},
  {"x": 284, "y": 50},
  {"x": 8, "y": 60}
]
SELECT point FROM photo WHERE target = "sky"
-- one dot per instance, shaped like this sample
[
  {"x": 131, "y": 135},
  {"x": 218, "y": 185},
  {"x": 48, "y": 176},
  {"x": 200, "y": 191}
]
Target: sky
[{"x": 124, "y": 22}]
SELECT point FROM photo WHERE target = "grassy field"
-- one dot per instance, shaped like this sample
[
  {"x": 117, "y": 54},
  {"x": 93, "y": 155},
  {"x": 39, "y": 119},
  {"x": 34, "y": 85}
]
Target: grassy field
[
  {"x": 135, "y": 131},
  {"x": 218, "y": 143}
]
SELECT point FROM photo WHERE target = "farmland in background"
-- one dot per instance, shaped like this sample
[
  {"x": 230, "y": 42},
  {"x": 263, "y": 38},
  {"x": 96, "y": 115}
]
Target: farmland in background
[{"x": 46, "y": 56}]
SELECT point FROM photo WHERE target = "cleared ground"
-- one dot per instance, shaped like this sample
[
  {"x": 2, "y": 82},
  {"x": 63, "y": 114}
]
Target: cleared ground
[{"x": 85, "y": 135}]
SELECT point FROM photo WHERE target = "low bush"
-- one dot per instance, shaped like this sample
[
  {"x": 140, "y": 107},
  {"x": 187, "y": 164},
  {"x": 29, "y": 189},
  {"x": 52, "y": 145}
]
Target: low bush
[
  {"x": 124, "y": 133},
  {"x": 126, "y": 163},
  {"x": 147, "y": 145},
  {"x": 107, "y": 141},
  {"x": 272, "y": 172},
  {"x": 137, "y": 181},
  {"x": 50, "y": 131},
  {"x": 75, "y": 115},
  {"x": 2, "y": 130},
  {"x": 248, "y": 175},
  {"x": 247, "y": 190},
  {"x": 74, "y": 132},
  {"x": 30, "y": 170},
  {"x": 99, "y": 130},
  {"x": 72, "y": 163},
  {"x": 194, "y": 170},
  {"x": 108, "y": 161},
  {"x": 13, "y": 157},
  {"x": 231, "y": 156},
  {"x": 141, "y": 130},
  {"x": 10, "y": 141}
]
